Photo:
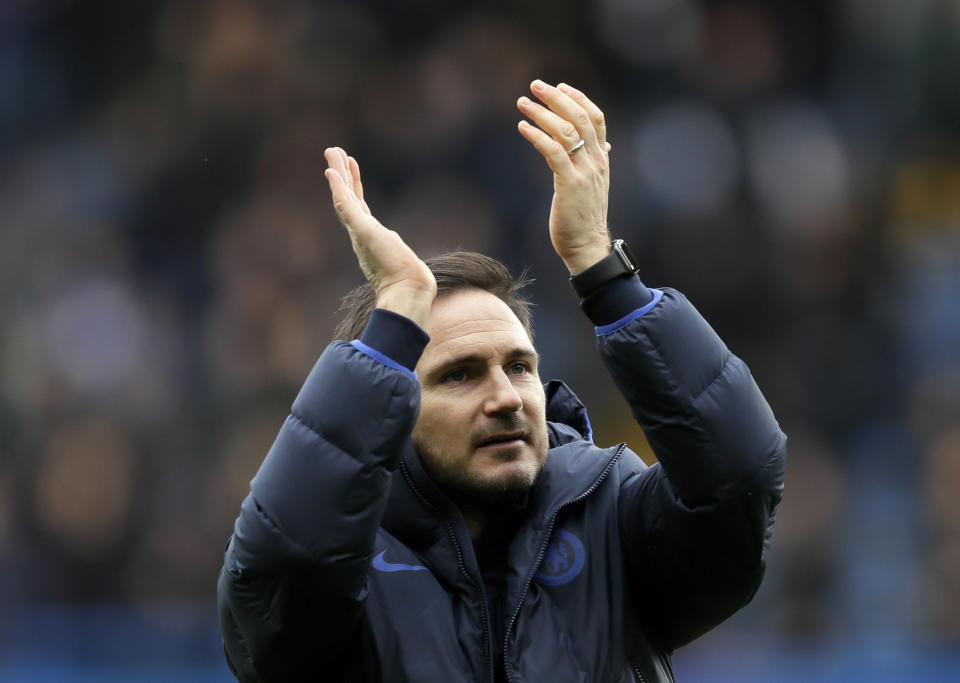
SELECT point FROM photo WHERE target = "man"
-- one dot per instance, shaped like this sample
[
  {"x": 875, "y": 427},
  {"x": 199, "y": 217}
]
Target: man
[{"x": 431, "y": 512}]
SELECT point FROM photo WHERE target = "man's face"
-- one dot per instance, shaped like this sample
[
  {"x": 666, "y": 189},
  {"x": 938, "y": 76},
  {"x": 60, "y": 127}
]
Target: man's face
[{"x": 482, "y": 431}]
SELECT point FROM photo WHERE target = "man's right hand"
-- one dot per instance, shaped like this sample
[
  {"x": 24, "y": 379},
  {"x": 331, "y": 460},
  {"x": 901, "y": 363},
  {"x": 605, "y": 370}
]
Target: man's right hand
[{"x": 401, "y": 282}]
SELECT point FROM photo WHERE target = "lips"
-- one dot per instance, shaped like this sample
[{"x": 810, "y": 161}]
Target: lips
[{"x": 503, "y": 437}]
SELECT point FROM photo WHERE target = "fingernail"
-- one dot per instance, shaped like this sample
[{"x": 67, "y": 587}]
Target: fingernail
[
  {"x": 523, "y": 100},
  {"x": 562, "y": 86},
  {"x": 538, "y": 85}
]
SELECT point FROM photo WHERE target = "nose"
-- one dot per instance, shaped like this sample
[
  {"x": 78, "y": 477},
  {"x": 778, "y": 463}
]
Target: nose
[{"x": 503, "y": 397}]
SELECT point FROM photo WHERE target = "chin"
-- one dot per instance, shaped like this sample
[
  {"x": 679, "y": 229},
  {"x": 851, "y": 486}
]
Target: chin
[
  {"x": 498, "y": 474},
  {"x": 507, "y": 480}
]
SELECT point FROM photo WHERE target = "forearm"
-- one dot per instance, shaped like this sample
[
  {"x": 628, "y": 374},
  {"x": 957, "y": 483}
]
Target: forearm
[
  {"x": 703, "y": 414},
  {"x": 698, "y": 524},
  {"x": 344, "y": 434},
  {"x": 302, "y": 544}
]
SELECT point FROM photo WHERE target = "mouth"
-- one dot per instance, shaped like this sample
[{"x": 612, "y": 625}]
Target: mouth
[{"x": 503, "y": 439}]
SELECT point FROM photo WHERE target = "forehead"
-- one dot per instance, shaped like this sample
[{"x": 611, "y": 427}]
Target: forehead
[{"x": 472, "y": 322}]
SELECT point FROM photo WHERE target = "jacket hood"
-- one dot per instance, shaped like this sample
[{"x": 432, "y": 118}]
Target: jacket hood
[
  {"x": 566, "y": 417},
  {"x": 418, "y": 511}
]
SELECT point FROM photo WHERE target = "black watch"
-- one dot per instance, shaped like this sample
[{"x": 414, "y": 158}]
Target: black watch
[{"x": 620, "y": 262}]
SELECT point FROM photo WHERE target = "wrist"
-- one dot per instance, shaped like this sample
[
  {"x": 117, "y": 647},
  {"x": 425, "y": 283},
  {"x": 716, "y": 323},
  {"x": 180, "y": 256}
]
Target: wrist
[
  {"x": 620, "y": 261},
  {"x": 395, "y": 336},
  {"x": 586, "y": 257},
  {"x": 410, "y": 302}
]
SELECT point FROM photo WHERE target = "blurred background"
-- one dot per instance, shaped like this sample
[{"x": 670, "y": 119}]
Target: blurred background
[{"x": 170, "y": 268}]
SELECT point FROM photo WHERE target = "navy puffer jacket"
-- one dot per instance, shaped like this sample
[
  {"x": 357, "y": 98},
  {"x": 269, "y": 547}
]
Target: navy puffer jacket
[{"x": 348, "y": 564}]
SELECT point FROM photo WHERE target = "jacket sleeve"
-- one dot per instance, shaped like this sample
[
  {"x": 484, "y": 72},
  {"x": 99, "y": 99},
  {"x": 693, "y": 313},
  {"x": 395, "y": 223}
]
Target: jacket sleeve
[
  {"x": 696, "y": 527},
  {"x": 292, "y": 587}
]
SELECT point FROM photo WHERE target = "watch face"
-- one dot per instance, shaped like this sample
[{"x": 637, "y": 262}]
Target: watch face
[
  {"x": 619, "y": 262},
  {"x": 623, "y": 251}
]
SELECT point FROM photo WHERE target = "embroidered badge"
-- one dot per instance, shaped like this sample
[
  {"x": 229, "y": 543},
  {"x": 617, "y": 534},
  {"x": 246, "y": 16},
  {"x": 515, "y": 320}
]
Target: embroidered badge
[
  {"x": 563, "y": 560},
  {"x": 381, "y": 563}
]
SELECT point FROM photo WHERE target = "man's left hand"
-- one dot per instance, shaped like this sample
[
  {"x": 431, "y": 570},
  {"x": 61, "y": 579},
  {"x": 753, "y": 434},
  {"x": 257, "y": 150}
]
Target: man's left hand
[{"x": 581, "y": 177}]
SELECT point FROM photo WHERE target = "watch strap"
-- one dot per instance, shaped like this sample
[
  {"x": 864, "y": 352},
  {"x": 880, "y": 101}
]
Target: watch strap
[{"x": 620, "y": 261}]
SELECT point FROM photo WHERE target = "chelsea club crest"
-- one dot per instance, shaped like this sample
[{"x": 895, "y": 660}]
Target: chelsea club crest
[{"x": 563, "y": 560}]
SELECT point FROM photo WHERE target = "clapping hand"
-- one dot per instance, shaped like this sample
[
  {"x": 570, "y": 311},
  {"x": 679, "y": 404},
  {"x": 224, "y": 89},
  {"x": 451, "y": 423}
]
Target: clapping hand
[
  {"x": 571, "y": 134},
  {"x": 401, "y": 281}
]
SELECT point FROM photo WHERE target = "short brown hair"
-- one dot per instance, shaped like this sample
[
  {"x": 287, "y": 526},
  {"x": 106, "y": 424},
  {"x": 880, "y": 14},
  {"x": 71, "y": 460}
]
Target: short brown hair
[{"x": 454, "y": 271}]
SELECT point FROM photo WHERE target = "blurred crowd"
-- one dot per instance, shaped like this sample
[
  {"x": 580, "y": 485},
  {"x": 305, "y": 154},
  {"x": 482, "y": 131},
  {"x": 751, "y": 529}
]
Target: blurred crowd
[{"x": 170, "y": 265}]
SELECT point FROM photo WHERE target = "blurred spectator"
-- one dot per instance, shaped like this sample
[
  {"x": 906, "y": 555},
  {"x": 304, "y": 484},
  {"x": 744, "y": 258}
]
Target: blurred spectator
[
  {"x": 170, "y": 264},
  {"x": 941, "y": 598},
  {"x": 809, "y": 535},
  {"x": 85, "y": 487}
]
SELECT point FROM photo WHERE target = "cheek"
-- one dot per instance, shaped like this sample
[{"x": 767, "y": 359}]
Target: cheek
[
  {"x": 536, "y": 409},
  {"x": 438, "y": 422},
  {"x": 534, "y": 403}
]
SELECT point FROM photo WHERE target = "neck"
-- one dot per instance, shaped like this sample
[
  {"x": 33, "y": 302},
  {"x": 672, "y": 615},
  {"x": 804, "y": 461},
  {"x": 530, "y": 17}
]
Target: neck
[
  {"x": 484, "y": 518},
  {"x": 476, "y": 516}
]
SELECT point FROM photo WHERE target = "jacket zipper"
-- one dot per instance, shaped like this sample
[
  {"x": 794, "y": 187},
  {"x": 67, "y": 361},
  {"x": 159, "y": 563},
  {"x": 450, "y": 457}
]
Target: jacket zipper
[
  {"x": 487, "y": 654},
  {"x": 543, "y": 550},
  {"x": 636, "y": 672}
]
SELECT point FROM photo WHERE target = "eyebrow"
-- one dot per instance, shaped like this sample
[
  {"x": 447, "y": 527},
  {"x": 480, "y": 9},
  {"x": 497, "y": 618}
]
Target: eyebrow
[{"x": 477, "y": 359}]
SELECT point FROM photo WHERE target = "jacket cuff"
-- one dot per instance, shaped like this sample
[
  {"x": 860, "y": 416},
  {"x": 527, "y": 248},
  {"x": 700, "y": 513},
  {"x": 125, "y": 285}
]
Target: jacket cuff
[
  {"x": 398, "y": 338},
  {"x": 616, "y": 299}
]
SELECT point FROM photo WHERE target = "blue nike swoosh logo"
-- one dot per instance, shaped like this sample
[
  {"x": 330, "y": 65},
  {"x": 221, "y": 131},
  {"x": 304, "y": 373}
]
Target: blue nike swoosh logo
[{"x": 384, "y": 566}]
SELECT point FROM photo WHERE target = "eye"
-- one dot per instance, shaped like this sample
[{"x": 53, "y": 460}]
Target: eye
[
  {"x": 454, "y": 376},
  {"x": 519, "y": 368}
]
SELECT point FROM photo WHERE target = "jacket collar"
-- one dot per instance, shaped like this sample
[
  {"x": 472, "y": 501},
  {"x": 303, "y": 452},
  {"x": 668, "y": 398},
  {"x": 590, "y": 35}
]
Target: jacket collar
[
  {"x": 567, "y": 414},
  {"x": 421, "y": 515}
]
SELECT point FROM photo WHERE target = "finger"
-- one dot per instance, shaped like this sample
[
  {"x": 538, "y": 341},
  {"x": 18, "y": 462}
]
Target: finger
[
  {"x": 355, "y": 177},
  {"x": 337, "y": 158},
  {"x": 593, "y": 111},
  {"x": 356, "y": 183},
  {"x": 343, "y": 165},
  {"x": 335, "y": 162},
  {"x": 565, "y": 107},
  {"x": 609, "y": 146},
  {"x": 560, "y": 129},
  {"x": 339, "y": 162},
  {"x": 344, "y": 202},
  {"x": 556, "y": 156},
  {"x": 338, "y": 191}
]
